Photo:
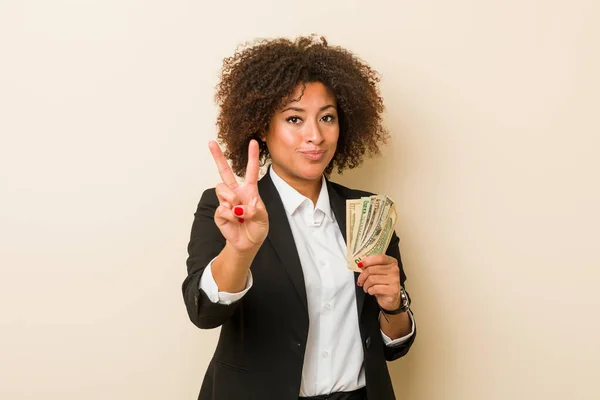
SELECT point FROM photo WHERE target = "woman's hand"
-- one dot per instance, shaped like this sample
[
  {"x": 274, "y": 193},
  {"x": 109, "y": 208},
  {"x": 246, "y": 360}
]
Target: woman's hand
[
  {"x": 241, "y": 216},
  {"x": 380, "y": 277}
]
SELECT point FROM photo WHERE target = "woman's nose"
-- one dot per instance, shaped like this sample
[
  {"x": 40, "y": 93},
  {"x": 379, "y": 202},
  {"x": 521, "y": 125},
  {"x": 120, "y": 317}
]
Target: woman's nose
[{"x": 314, "y": 134}]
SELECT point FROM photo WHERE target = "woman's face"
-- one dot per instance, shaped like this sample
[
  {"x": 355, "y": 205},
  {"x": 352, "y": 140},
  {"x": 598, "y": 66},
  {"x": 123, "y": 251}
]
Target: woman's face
[{"x": 302, "y": 136}]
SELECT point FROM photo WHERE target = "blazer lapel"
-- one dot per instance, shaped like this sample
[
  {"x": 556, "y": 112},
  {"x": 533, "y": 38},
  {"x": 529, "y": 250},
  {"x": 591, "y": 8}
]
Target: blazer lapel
[
  {"x": 280, "y": 235},
  {"x": 338, "y": 204}
]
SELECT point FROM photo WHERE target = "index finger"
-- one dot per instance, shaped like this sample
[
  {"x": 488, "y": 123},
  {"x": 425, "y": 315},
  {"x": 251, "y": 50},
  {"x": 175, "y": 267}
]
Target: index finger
[
  {"x": 252, "y": 166},
  {"x": 376, "y": 259},
  {"x": 222, "y": 165}
]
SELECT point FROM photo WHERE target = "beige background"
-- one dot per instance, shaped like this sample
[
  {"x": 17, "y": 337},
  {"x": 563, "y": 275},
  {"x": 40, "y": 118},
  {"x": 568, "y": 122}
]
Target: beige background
[{"x": 106, "y": 108}]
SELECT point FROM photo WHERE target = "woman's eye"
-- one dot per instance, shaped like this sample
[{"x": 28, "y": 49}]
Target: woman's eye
[
  {"x": 328, "y": 118},
  {"x": 293, "y": 120}
]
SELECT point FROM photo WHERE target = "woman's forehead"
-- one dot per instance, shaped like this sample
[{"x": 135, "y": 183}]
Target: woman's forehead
[{"x": 310, "y": 93}]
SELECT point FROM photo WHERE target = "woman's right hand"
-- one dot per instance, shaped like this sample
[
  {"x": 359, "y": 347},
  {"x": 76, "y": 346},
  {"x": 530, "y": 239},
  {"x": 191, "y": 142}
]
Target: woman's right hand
[{"x": 241, "y": 216}]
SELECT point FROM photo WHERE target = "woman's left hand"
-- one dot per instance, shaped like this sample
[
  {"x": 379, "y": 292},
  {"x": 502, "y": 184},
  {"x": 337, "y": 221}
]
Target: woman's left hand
[{"x": 380, "y": 277}]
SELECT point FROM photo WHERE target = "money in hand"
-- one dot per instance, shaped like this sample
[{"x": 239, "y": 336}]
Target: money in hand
[{"x": 370, "y": 223}]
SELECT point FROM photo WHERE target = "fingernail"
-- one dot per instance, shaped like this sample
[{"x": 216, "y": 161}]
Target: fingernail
[
  {"x": 359, "y": 284},
  {"x": 238, "y": 210},
  {"x": 360, "y": 264},
  {"x": 241, "y": 220}
]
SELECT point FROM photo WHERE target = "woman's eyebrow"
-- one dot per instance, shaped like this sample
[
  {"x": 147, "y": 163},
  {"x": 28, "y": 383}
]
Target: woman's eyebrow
[{"x": 298, "y": 109}]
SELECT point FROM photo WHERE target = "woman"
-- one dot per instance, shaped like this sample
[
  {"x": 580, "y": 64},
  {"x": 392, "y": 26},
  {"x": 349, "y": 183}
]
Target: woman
[{"x": 267, "y": 258}]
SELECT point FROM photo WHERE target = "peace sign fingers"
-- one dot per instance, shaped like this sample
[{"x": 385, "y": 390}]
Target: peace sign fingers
[
  {"x": 241, "y": 216},
  {"x": 222, "y": 165}
]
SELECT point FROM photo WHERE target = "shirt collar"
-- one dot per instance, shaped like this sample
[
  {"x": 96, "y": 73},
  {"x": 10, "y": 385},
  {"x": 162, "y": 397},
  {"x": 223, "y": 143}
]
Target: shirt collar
[{"x": 292, "y": 199}]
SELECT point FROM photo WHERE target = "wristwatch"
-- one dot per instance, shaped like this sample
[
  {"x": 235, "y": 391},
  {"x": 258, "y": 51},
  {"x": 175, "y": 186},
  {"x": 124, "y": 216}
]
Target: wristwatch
[{"x": 404, "y": 304}]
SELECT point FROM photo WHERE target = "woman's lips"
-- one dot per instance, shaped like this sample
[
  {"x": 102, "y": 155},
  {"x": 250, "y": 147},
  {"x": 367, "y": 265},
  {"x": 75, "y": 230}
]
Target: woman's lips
[{"x": 313, "y": 155}]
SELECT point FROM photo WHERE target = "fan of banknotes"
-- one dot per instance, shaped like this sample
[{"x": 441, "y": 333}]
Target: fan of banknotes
[{"x": 370, "y": 223}]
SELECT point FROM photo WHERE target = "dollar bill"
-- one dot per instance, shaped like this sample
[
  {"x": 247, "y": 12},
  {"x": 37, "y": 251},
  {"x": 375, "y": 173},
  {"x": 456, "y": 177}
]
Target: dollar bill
[
  {"x": 379, "y": 246},
  {"x": 372, "y": 232},
  {"x": 359, "y": 225},
  {"x": 373, "y": 214},
  {"x": 352, "y": 211},
  {"x": 370, "y": 223}
]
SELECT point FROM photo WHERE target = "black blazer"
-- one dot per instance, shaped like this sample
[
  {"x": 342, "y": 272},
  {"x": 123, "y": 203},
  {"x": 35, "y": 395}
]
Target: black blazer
[{"x": 260, "y": 352}]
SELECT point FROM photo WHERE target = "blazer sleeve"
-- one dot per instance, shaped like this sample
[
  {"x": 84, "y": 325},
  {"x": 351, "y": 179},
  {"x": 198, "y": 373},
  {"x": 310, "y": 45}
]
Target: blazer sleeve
[
  {"x": 206, "y": 242},
  {"x": 394, "y": 352}
]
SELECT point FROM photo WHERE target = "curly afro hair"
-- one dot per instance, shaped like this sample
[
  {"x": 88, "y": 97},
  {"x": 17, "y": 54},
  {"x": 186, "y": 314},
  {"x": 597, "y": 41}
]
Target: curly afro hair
[{"x": 261, "y": 76}]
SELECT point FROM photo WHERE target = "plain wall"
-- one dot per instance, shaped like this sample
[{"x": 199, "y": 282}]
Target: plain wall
[{"x": 106, "y": 108}]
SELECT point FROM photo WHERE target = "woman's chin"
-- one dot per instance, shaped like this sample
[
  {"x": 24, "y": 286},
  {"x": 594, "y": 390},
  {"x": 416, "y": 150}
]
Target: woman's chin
[
  {"x": 309, "y": 171},
  {"x": 313, "y": 173}
]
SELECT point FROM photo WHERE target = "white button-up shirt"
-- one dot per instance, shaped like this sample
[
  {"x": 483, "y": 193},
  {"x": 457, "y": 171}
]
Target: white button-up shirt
[{"x": 333, "y": 360}]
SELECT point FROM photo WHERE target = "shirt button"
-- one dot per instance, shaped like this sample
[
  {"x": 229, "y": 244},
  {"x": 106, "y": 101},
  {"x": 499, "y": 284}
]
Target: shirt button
[
  {"x": 328, "y": 306},
  {"x": 325, "y": 354}
]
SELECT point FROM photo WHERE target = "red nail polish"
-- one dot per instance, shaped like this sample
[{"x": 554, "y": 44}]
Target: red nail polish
[
  {"x": 238, "y": 210},
  {"x": 360, "y": 264},
  {"x": 241, "y": 220},
  {"x": 359, "y": 284}
]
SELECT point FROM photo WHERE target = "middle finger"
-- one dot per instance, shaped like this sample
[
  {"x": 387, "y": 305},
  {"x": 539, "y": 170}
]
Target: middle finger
[{"x": 378, "y": 270}]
